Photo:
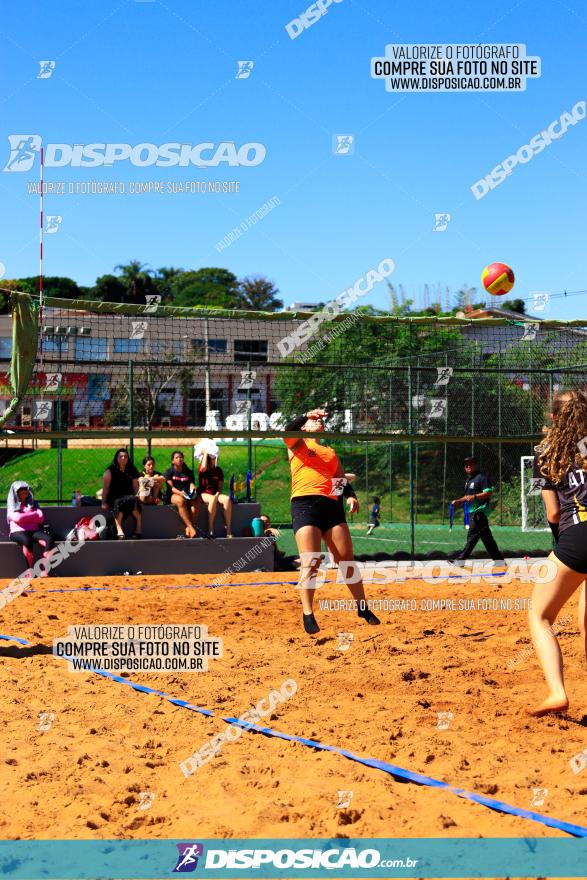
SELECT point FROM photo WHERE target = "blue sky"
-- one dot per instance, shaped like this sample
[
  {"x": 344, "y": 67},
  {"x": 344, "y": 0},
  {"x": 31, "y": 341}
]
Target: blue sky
[{"x": 158, "y": 72}]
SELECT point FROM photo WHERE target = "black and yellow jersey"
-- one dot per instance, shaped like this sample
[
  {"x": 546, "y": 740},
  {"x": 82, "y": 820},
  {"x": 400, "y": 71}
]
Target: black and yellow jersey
[{"x": 571, "y": 491}]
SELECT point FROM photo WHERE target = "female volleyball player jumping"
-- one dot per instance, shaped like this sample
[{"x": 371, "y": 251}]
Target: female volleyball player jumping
[
  {"x": 317, "y": 510},
  {"x": 562, "y": 465}
]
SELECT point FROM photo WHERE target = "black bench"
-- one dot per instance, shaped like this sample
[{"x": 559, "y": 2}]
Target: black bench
[{"x": 157, "y": 553}]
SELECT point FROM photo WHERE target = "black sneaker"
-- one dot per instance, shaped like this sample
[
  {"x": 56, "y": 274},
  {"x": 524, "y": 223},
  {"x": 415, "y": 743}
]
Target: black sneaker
[
  {"x": 310, "y": 624},
  {"x": 368, "y": 616}
]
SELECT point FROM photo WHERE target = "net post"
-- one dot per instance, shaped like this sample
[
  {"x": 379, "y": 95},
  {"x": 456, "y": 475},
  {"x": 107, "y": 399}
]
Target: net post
[
  {"x": 59, "y": 427},
  {"x": 41, "y": 218}
]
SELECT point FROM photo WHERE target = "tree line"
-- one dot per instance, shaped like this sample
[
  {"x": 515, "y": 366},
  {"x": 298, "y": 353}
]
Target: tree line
[{"x": 135, "y": 282}]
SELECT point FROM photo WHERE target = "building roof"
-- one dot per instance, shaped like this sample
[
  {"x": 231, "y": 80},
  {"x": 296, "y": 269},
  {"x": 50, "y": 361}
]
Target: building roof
[
  {"x": 302, "y": 307},
  {"x": 496, "y": 312}
]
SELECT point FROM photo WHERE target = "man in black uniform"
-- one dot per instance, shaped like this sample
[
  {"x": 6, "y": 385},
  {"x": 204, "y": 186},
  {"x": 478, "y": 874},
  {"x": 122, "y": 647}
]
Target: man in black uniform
[{"x": 478, "y": 490}]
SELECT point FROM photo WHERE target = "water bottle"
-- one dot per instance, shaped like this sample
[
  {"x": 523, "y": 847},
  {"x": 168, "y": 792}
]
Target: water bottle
[
  {"x": 258, "y": 527},
  {"x": 74, "y": 499}
]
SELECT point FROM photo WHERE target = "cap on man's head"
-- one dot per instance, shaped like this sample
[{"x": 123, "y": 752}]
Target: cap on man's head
[{"x": 470, "y": 460}]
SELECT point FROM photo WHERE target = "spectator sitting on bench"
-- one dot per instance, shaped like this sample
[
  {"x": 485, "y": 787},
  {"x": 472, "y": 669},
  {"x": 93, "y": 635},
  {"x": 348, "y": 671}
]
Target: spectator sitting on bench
[
  {"x": 150, "y": 482},
  {"x": 211, "y": 479},
  {"x": 268, "y": 530},
  {"x": 119, "y": 492},
  {"x": 25, "y": 522},
  {"x": 182, "y": 492}
]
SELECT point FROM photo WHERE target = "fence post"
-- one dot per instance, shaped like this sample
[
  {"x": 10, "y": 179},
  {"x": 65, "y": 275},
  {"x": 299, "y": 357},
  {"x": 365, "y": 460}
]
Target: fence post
[
  {"x": 445, "y": 444},
  {"x": 250, "y": 443},
  {"x": 131, "y": 411},
  {"x": 390, "y": 483},
  {"x": 207, "y": 390},
  {"x": 411, "y": 464},
  {"x": 60, "y": 471},
  {"x": 530, "y": 396},
  {"x": 472, "y": 402},
  {"x": 255, "y": 471}
]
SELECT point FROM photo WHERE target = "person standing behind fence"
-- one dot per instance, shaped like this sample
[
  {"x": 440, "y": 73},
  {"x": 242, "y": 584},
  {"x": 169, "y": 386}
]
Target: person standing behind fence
[
  {"x": 119, "y": 492},
  {"x": 477, "y": 497},
  {"x": 25, "y": 522},
  {"x": 374, "y": 515}
]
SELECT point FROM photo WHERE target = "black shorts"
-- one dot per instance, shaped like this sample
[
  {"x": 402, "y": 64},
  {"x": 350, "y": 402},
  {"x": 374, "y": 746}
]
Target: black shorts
[
  {"x": 571, "y": 548},
  {"x": 126, "y": 505},
  {"x": 316, "y": 510}
]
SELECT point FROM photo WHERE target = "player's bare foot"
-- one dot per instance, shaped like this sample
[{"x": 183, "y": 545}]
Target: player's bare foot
[
  {"x": 190, "y": 532},
  {"x": 550, "y": 706}
]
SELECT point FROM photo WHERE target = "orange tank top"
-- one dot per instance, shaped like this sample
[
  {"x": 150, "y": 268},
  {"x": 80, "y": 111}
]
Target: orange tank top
[{"x": 313, "y": 468}]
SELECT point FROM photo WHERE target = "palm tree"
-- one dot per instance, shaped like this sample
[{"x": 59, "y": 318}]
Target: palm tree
[
  {"x": 164, "y": 278},
  {"x": 137, "y": 279}
]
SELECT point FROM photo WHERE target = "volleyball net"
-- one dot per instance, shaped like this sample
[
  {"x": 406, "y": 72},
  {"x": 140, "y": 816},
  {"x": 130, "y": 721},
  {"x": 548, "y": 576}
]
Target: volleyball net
[{"x": 408, "y": 397}]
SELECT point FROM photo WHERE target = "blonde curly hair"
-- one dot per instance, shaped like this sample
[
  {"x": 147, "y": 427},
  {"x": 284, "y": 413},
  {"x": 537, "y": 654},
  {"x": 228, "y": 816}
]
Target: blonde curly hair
[{"x": 559, "y": 450}]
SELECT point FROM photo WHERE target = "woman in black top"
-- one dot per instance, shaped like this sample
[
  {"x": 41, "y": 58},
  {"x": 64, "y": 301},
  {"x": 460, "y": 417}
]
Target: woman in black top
[
  {"x": 119, "y": 492},
  {"x": 561, "y": 463},
  {"x": 183, "y": 493}
]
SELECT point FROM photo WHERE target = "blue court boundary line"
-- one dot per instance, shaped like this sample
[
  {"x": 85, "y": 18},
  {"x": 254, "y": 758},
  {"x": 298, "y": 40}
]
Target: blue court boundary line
[
  {"x": 374, "y": 763},
  {"x": 457, "y": 577}
]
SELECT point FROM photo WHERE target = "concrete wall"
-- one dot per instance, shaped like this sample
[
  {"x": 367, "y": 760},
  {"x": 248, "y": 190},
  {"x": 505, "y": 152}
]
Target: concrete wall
[
  {"x": 163, "y": 556},
  {"x": 157, "y": 553},
  {"x": 158, "y": 522}
]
